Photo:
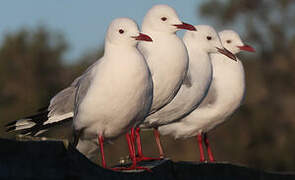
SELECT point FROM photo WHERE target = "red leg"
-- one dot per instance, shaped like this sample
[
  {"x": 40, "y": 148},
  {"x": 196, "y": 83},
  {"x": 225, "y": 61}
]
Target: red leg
[
  {"x": 202, "y": 157},
  {"x": 130, "y": 147},
  {"x": 141, "y": 157},
  {"x": 158, "y": 141},
  {"x": 138, "y": 142},
  {"x": 100, "y": 140},
  {"x": 132, "y": 156},
  {"x": 132, "y": 138},
  {"x": 210, "y": 154}
]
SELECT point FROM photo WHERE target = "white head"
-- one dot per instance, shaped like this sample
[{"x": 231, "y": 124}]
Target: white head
[
  {"x": 163, "y": 18},
  {"x": 207, "y": 40},
  {"x": 232, "y": 41},
  {"x": 124, "y": 31}
]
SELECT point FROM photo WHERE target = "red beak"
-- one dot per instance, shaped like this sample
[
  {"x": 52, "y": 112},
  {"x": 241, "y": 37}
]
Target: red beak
[
  {"x": 142, "y": 37},
  {"x": 185, "y": 26},
  {"x": 227, "y": 53},
  {"x": 247, "y": 48}
]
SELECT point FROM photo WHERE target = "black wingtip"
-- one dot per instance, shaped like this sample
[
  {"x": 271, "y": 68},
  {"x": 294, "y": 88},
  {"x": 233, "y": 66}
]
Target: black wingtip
[
  {"x": 13, "y": 128},
  {"x": 39, "y": 115},
  {"x": 26, "y": 131},
  {"x": 40, "y": 112},
  {"x": 38, "y": 119}
]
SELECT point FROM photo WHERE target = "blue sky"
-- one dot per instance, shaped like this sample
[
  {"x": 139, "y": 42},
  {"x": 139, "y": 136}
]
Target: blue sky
[{"x": 83, "y": 22}]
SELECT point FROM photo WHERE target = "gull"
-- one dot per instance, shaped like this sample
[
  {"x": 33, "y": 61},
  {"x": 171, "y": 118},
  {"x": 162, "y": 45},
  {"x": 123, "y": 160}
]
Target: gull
[
  {"x": 200, "y": 44},
  {"x": 166, "y": 57},
  {"x": 116, "y": 91},
  {"x": 226, "y": 93}
]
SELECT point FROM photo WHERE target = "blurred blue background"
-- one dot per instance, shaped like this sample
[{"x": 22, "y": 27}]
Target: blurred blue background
[{"x": 83, "y": 22}]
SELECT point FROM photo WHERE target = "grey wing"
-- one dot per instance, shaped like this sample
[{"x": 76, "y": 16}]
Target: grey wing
[
  {"x": 64, "y": 101},
  {"x": 75, "y": 82},
  {"x": 82, "y": 87}
]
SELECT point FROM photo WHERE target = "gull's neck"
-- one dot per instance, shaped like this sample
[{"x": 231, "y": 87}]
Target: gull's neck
[
  {"x": 195, "y": 53},
  {"x": 110, "y": 48}
]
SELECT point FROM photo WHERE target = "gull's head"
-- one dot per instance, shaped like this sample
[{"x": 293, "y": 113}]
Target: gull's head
[
  {"x": 232, "y": 41},
  {"x": 207, "y": 40},
  {"x": 163, "y": 18},
  {"x": 124, "y": 31}
]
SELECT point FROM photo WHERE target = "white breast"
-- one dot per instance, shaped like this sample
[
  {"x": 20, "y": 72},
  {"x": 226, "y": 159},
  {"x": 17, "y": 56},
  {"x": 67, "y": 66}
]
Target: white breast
[
  {"x": 224, "y": 97},
  {"x": 229, "y": 88},
  {"x": 168, "y": 61},
  {"x": 191, "y": 92},
  {"x": 118, "y": 96}
]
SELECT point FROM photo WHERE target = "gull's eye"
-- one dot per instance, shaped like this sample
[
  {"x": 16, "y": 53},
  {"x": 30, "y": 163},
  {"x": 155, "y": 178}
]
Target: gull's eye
[
  {"x": 163, "y": 18},
  {"x": 209, "y": 38},
  {"x": 228, "y": 41},
  {"x": 121, "y": 31}
]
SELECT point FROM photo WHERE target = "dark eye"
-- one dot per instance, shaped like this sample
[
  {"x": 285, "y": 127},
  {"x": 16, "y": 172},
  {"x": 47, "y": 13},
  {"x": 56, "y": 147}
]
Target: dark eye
[
  {"x": 121, "y": 31},
  {"x": 209, "y": 38},
  {"x": 164, "y": 18},
  {"x": 228, "y": 41}
]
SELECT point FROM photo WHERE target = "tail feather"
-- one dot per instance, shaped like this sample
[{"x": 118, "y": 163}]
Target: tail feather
[
  {"x": 36, "y": 124},
  {"x": 24, "y": 122},
  {"x": 17, "y": 128},
  {"x": 20, "y": 123},
  {"x": 40, "y": 128},
  {"x": 39, "y": 117},
  {"x": 41, "y": 132},
  {"x": 9, "y": 129},
  {"x": 29, "y": 122}
]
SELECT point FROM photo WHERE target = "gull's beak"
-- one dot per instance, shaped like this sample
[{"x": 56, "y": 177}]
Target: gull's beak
[
  {"x": 185, "y": 26},
  {"x": 142, "y": 37},
  {"x": 227, "y": 53},
  {"x": 246, "y": 48}
]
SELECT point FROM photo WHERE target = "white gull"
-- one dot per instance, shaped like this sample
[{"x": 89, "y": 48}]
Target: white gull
[
  {"x": 166, "y": 57},
  {"x": 225, "y": 95}
]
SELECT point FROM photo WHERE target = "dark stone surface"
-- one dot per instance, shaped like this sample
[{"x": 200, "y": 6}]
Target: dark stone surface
[
  {"x": 187, "y": 170},
  {"x": 51, "y": 160}
]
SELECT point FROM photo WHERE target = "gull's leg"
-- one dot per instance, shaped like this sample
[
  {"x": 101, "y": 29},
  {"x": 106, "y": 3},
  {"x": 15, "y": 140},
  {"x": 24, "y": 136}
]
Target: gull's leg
[
  {"x": 138, "y": 142},
  {"x": 202, "y": 157},
  {"x": 133, "y": 139},
  {"x": 141, "y": 157},
  {"x": 131, "y": 149},
  {"x": 158, "y": 141},
  {"x": 132, "y": 156},
  {"x": 101, "y": 140},
  {"x": 210, "y": 154}
]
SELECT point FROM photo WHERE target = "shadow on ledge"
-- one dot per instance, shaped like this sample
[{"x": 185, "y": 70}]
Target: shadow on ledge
[{"x": 51, "y": 160}]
